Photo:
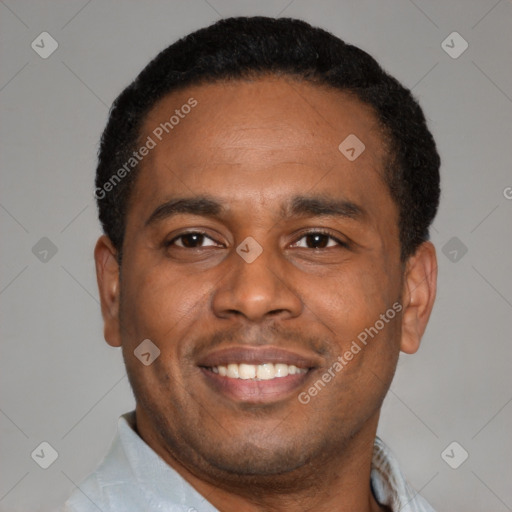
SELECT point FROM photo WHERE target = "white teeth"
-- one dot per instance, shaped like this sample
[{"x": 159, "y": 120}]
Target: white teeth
[
  {"x": 266, "y": 371},
  {"x": 232, "y": 371},
  {"x": 246, "y": 371},
  {"x": 281, "y": 370}
]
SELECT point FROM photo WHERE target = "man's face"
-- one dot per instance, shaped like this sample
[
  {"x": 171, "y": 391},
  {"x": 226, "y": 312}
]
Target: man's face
[{"x": 267, "y": 153}]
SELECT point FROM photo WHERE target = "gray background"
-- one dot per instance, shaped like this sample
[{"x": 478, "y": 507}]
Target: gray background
[{"x": 61, "y": 383}]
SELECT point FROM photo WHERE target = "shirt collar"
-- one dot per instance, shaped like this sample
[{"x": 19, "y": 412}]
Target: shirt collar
[{"x": 390, "y": 486}]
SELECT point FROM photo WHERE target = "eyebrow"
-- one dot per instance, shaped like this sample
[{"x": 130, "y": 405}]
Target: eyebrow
[
  {"x": 298, "y": 206},
  {"x": 200, "y": 205},
  {"x": 318, "y": 206}
]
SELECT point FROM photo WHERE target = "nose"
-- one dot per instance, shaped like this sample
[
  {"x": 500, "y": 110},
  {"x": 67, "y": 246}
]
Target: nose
[{"x": 257, "y": 290}]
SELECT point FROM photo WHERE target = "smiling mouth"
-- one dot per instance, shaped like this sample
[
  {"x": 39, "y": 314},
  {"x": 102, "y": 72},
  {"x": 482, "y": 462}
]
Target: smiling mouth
[
  {"x": 256, "y": 384},
  {"x": 265, "y": 371},
  {"x": 258, "y": 375}
]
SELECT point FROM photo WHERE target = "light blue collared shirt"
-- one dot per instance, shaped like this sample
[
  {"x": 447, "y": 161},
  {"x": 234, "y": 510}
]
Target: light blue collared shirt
[{"x": 133, "y": 478}]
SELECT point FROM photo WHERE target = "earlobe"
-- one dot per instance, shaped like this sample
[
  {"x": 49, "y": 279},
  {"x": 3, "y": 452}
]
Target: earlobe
[
  {"x": 107, "y": 275},
  {"x": 418, "y": 295}
]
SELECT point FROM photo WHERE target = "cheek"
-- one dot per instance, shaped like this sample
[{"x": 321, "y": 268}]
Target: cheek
[
  {"x": 160, "y": 304},
  {"x": 350, "y": 305},
  {"x": 352, "y": 300},
  {"x": 163, "y": 307}
]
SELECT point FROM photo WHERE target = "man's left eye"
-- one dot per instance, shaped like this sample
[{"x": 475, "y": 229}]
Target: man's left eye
[{"x": 318, "y": 240}]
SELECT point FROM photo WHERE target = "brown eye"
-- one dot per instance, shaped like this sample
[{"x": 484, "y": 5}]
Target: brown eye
[
  {"x": 192, "y": 240},
  {"x": 318, "y": 240}
]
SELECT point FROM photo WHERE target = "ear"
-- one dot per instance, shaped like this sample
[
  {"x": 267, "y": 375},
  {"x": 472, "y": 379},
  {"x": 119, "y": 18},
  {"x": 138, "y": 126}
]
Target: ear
[
  {"x": 107, "y": 274},
  {"x": 418, "y": 295}
]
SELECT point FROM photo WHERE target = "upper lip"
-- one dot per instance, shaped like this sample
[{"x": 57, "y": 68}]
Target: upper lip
[{"x": 258, "y": 355}]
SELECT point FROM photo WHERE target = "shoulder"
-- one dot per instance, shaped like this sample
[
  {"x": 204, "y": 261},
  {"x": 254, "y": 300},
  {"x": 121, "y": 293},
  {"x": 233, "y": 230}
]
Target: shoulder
[{"x": 111, "y": 485}]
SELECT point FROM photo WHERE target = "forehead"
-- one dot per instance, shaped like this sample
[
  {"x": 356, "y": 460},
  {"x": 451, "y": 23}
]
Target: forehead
[{"x": 262, "y": 139}]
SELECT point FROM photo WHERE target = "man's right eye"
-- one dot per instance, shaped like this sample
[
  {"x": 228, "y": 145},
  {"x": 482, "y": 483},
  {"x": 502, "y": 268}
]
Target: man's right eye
[{"x": 191, "y": 240}]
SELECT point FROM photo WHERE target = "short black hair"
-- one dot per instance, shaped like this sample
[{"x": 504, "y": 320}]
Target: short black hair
[{"x": 247, "y": 47}]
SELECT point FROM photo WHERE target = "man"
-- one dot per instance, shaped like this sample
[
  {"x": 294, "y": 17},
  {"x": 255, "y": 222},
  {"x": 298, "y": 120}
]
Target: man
[{"x": 265, "y": 192}]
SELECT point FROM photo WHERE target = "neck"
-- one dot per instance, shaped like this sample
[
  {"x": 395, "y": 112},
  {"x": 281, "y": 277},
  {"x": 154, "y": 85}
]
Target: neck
[{"x": 338, "y": 482}]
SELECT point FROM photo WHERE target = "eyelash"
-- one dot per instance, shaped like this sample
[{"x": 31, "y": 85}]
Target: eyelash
[{"x": 312, "y": 232}]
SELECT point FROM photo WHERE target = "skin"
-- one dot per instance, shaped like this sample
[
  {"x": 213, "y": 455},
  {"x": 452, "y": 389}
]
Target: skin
[{"x": 253, "y": 145}]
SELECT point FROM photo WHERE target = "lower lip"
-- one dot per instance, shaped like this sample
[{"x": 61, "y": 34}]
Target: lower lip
[{"x": 256, "y": 391}]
